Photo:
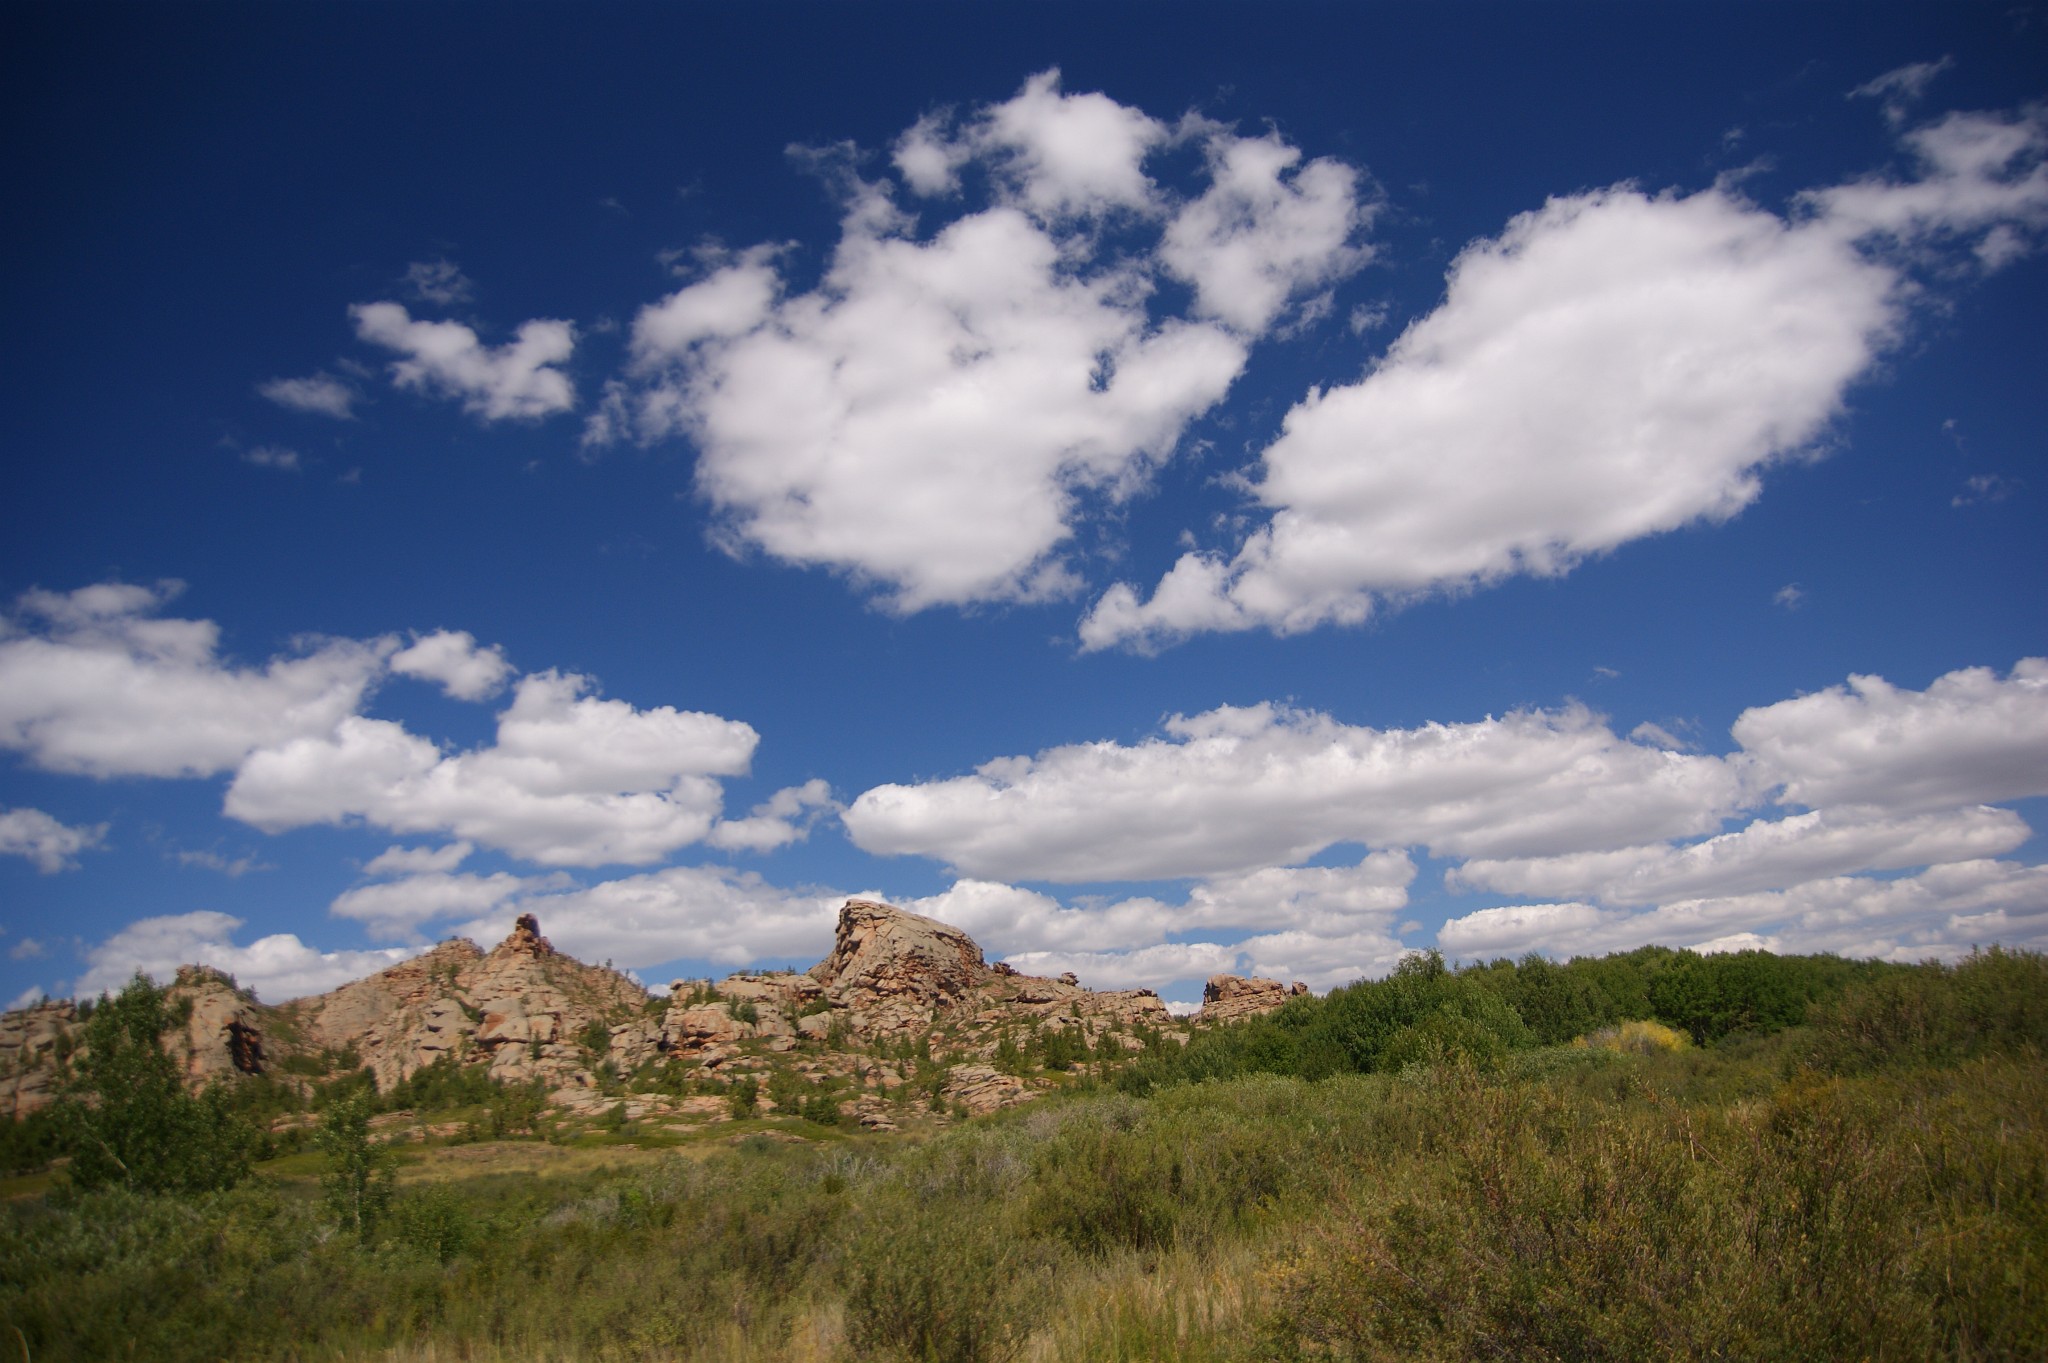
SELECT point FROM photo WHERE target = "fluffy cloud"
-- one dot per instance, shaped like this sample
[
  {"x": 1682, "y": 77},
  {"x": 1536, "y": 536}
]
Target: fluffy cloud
[
  {"x": 1053, "y": 154},
  {"x": 1940, "y": 912},
  {"x": 1614, "y": 365},
  {"x": 704, "y": 912},
  {"x": 1264, "y": 232},
  {"x": 572, "y": 780},
  {"x": 1244, "y": 787},
  {"x": 783, "y": 818},
  {"x": 277, "y": 967},
  {"x": 516, "y": 380},
  {"x": 322, "y": 394},
  {"x": 452, "y": 658},
  {"x": 1325, "y": 925},
  {"x": 1979, "y": 173},
  {"x": 930, "y": 417},
  {"x": 423, "y": 889},
  {"x": 92, "y": 682},
  {"x": 51, "y": 845},
  {"x": 1969, "y": 738},
  {"x": 1899, "y": 779},
  {"x": 1765, "y": 854}
]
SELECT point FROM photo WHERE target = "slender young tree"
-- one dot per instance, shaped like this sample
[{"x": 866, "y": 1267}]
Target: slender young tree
[
  {"x": 356, "y": 1185},
  {"x": 127, "y": 1117}
]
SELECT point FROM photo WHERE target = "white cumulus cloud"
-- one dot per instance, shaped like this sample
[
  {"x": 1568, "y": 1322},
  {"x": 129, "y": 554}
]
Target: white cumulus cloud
[
  {"x": 277, "y": 967},
  {"x": 452, "y": 658},
  {"x": 711, "y": 913},
  {"x": 1614, "y": 365},
  {"x": 783, "y": 818},
  {"x": 935, "y": 416},
  {"x": 1267, "y": 229},
  {"x": 93, "y": 682},
  {"x": 1940, "y": 912},
  {"x": 572, "y": 780},
  {"x": 1972, "y": 737},
  {"x": 1765, "y": 854},
  {"x": 519, "y": 380},
  {"x": 1262, "y": 785},
  {"x": 51, "y": 845},
  {"x": 399, "y": 909}
]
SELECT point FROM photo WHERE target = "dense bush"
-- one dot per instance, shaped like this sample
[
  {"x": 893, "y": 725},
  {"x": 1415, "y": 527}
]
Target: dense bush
[
  {"x": 127, "y": 1120},
  {"x": 1874, "y": 1186},
  {"x": 1993, "y": 1001},
  {"x": 1826, "y": 1222},
  {"x": 1423, "y": 1013}
]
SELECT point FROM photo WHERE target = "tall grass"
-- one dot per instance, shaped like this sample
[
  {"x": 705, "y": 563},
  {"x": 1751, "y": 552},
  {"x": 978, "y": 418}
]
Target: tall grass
[{"x": 1873, "y": 1186}]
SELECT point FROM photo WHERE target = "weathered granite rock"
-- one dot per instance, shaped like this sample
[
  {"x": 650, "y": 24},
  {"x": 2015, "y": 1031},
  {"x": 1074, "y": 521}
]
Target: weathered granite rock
[
  {"x": 884, "y": 959},
  {"x": 525, "y": 1012},
  {"x": 1228, "y": 997},
  {"x": 32, "y": 1040},
  {"x": 221, "y": 1036},
  {"x": 983, "y": 1089}
]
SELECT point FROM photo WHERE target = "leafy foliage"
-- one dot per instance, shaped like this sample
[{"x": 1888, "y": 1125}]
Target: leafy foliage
[
  {"x": 127, "y": 1119},
  {"x": 356, "y": 1185},
  {"x": 1872, "y": 1185}
]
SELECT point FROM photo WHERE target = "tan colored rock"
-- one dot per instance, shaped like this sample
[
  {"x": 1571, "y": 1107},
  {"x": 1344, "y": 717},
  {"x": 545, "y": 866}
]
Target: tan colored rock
[
  {"x": 1226, "y": 998},
  {"x": 31, "y": 1042},
  {"x": 882, "y": 956},
  {"x": 707, "y": 1024},
  {"x": 982, "y": 1089},
  {"x": 220, "y": 1037}
]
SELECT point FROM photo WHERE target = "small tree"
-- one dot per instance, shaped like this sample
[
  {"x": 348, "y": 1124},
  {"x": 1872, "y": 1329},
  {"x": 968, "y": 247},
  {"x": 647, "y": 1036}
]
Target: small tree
[
  {"x": 357, "y": 1183},
  {"x": 127, "y": 1118}
]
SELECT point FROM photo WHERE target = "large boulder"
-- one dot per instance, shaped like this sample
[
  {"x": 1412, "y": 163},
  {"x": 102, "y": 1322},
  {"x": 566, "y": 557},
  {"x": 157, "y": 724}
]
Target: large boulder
[
  {"x": 883, "y": 955},
  {"x": 1226, "y": 998}
]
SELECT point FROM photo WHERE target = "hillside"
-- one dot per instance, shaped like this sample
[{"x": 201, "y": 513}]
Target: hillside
[{"x": 524, "y": 1014}]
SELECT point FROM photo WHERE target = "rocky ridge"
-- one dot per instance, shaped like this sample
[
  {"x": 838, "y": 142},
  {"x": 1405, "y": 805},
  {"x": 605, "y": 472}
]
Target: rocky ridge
[{"x": 900, "y": 999}]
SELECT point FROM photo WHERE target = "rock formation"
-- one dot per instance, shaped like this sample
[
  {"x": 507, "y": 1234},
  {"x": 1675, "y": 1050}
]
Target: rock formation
[
  {"x": 1225, "y": 998},
  {"x": 898, "y": 991},
  {"x": 33, "y": 1041}
]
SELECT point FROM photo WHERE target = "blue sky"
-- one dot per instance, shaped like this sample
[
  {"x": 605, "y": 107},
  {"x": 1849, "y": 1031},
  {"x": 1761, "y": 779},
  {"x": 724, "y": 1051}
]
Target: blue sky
[{"x": 1168, "y": 490}]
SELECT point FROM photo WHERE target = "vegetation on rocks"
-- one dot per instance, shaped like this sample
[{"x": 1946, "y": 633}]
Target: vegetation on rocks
[{"x": 1423, "y": 1167}]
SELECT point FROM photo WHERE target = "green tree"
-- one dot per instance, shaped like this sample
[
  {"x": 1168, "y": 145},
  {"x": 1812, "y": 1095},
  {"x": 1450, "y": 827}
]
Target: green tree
[
  {"x": 127, "y": 1118},
  {"x": 356, "y": 1185}
]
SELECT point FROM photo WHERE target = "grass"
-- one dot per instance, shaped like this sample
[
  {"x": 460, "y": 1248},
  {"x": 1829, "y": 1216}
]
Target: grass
[{"x": 1874, "y": 1186}]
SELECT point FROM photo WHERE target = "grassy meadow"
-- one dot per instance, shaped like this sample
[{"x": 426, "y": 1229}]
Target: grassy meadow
[{"x": 1651, "y": 1156}]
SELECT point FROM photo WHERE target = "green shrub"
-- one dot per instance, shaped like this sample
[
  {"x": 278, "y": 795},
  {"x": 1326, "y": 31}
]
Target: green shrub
[
  {"x": 356, "y": 1184},
  {"x": 433, "y": 1221},
  {"x": 126, "y": 1117},
  {"x": 926, "y": 1282},
  {"x": 1991, "y": 1002},
  {"x": 1118, "y": 1175}
]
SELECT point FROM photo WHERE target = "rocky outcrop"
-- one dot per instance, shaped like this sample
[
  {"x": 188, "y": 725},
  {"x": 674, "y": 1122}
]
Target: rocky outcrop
[
  {"x": 33, "y": 1041},
  {"x": 526, "y": 1013},
  {"x": 1225, "y": 998},
  {"x": 222, "y": 1035},
  {"x": 893, "y": 969}
]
